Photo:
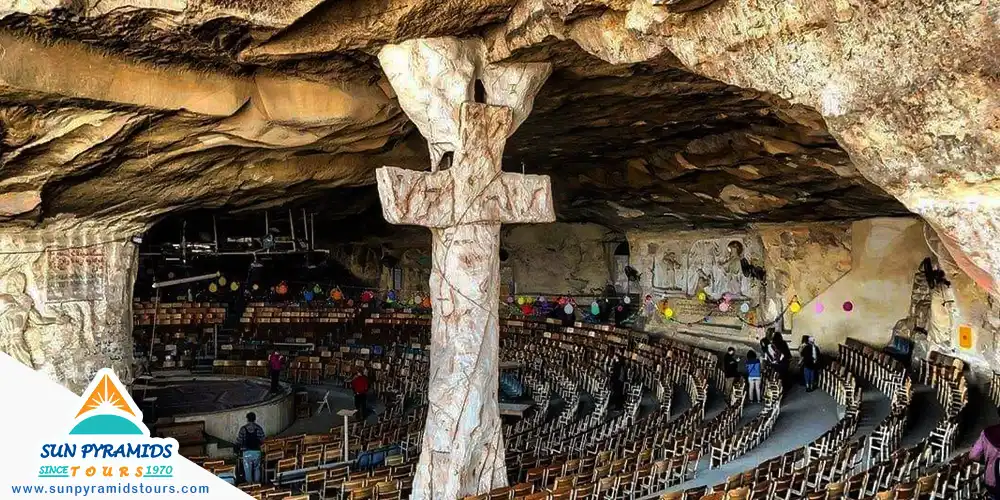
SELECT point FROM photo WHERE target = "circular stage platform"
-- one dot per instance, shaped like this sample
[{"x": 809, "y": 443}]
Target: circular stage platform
[
  {"x": 186, "y": 396},
  {"x": 221, "y": 401}
]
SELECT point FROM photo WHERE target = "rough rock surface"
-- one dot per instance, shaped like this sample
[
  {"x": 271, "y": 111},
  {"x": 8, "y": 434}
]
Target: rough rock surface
[
  {"x": 68, "y": 313},
  {"x": 811, "y": 109},
  {"x": 464, "y": 206}
]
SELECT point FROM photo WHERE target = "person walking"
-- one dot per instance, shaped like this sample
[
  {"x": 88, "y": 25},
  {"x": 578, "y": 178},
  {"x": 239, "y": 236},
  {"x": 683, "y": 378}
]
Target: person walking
[
  {"x": 809, "y": 353},
  {"x": 360, "y": 386},
  {"x": 730, "y": 369},
  {"x": 248, "y": 442},
  {"x": 753, "y": 376},
  {"x": 274, "y": 364},
  {"x": 783, "y": 358},
  {"x": 987, "y": 451}
]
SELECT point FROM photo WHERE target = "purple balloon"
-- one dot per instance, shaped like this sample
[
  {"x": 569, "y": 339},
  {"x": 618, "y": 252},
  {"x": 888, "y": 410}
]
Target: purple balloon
[{"x": 848, "y": 306}]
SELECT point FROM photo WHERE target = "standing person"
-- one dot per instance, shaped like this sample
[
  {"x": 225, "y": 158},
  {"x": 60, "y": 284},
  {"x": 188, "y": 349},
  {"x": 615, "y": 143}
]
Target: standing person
[
  {"x": 987, "y": 450},
  {"x": 730, "y": 369},
  {"x": 784, "y": 357},
  {"x": 360, "y": 386},
  {"x": 274, "y": 364},
  {"x": 753, "y": 376},
  {"x": 810, "y": 362},
  {"x": 618, "y": 383},
  {"x": 249, "y": 441}
]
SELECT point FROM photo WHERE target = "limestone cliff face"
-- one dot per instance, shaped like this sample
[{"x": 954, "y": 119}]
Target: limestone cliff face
[{"x": 658, "y": 114}]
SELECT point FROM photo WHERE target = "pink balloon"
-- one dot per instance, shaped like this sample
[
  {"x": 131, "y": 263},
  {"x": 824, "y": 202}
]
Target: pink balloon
[
  {"x": 724, "y": 306},
  {"x": 848, "y": 306},
  {"x": 819, "y": 307}
]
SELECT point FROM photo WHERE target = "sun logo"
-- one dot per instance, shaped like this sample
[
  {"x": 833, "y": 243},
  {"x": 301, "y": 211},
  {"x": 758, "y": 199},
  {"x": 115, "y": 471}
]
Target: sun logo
[{"x": 110, "y": 409}]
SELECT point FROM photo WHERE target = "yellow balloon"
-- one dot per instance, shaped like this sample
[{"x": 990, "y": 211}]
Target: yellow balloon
[
  {"x": 795, "y": 307},
  {"x": 213, "y": 288},
  {"x": 222, "y": 281},
  {"x": 234, "y": 286},
  {"x": 668, "y": 313},
  {"x": 702, "y": 296},
  {"x": 520, "y": 301}
]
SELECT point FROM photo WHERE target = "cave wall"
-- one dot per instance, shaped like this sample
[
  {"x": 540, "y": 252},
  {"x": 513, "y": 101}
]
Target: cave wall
[
  {"x": 886, "y": 254},
  {"x": 560, "y": 258},
  {"x": 67, "y": 309},
  {"x": 874, "y": 264}
]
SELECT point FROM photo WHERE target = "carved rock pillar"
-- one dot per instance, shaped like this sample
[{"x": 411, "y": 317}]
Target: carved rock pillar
[
  {"x": 464, "y": 205},
  {"x": 66, "y": 299}
]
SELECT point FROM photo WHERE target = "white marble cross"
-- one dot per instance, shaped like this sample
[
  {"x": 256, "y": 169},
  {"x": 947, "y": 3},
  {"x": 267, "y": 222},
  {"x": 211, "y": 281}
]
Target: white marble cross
[{"x": 464, "y": 206}]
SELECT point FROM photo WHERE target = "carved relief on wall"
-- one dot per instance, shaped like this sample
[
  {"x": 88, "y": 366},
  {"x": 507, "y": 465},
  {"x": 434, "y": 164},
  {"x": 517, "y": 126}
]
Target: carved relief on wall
[
  {"x": 66, "y": 310},
  {"x": 686, "y": 267}
]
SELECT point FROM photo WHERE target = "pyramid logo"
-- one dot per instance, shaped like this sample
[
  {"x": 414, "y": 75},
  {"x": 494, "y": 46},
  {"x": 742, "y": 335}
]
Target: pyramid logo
[{"x": 108, "y": 409}]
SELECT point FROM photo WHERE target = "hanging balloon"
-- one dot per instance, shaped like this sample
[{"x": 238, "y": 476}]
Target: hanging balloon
[
  {"x": 317, "y": 289},
  {"x": 702, "y": 296},
  {"x": 222, "y": 281},
  {"x": 627, "y": 300},
  {"x": 668, "y": 313},
  {"x": 620, "y": 309},
  {"x": 540, "y": 299},
  {"x": 795, "y": 307},
  {"x": 848, "y": 306},
  {"x": 529, "y": 300},
  {"x": 595, "y": 308},
  {"x": 818, "y": 307},
  {"x": 510, "y": 299},
  {"x": 282, "y": 288},
  {"x": 212, "y": 287},
  {"x": 426, "y": 303},
  {"x": 308, "y": 295},
  {"x": 744, "y": 308},
  {"x": 562, "y": 301},
  {"x": 367, "y": 296},
  {"x": 234, "y": 286},
  {"x": 350, "y": 302},
  {"x": 568, "y": 308},
  {"x": 391, "y": 296},
  {"x": 255, "y": 287},
  {"x": 724, "y": 306},
  {"x": 526, "y": 309},
  {"x": 171, "y": 275},
  {"x": 520, "y": 301},
  {"x": 336, "y": 294}
]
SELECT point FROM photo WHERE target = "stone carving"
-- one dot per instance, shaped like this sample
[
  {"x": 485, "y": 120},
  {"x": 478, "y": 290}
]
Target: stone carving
[
  {"x": 20, "y": 323},
  {"x": 686, "y": 267},
  {"x": 66, "y": 310},
  {"x": 463, "y": 452}
]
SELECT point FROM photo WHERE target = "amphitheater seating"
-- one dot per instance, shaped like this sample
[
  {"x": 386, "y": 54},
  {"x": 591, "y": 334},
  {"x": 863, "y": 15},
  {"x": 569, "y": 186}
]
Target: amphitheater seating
[{"x": 640, "y": 451}]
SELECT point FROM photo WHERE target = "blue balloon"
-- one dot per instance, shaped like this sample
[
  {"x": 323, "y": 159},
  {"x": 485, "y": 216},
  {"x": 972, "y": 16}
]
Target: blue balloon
[{"x": 308, "y": 295}]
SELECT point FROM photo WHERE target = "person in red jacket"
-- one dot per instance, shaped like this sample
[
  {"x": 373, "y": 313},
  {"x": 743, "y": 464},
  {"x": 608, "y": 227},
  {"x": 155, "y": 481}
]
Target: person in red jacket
[
  {"x": 360, "y": 386},
  {"x": 274, "y": 363}
]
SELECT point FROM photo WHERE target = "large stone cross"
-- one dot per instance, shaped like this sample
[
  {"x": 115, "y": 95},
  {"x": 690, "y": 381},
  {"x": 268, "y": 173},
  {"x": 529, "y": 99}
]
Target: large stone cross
[{"x": 464, "y": 206}]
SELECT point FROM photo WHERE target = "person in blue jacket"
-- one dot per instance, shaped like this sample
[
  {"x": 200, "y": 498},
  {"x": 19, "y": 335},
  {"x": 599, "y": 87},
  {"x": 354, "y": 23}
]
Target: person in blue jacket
[{"x": 753, "y": 376}]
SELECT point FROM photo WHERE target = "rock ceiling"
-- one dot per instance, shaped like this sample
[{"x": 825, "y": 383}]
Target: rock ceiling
[{"x": 117, "y": 108}]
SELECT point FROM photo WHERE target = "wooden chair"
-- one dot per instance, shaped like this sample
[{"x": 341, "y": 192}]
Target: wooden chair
[
  {"x": 284, "y": 465},
  {"x": 314, "y": 482},
  {"x": 505, "y": 493},
  {"x": 522, "y": 490},
  {"x": 366, "y": 493},
  {"x": 310, "y": 460}
]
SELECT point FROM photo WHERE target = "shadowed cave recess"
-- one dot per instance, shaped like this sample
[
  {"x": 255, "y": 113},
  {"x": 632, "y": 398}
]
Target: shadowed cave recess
[{"x": 593, "y": 200}]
